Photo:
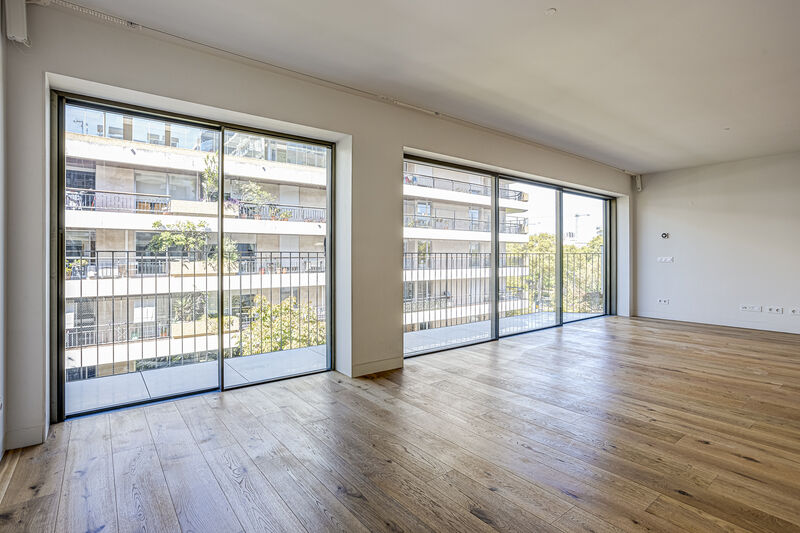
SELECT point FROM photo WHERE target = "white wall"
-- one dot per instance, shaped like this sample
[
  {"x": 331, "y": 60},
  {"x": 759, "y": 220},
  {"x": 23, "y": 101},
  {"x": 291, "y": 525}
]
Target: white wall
[
  {"x": 369, "y": 314},
  {"x": 735, "y": 236},
  {"x": 2, "y": 236}
]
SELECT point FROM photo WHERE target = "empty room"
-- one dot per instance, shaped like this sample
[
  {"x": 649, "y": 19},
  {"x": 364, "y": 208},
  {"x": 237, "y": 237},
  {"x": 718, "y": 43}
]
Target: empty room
[{"x": 399, "y": 266}]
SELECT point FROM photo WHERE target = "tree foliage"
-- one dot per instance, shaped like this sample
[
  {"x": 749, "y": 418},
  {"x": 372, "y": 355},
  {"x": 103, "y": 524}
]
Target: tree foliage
[
  {"x": 191, "y": 239},
  {"x": 582, "y": 272},
  {"x": 209, "y": 179},
  {"x": 281, "y": 326}
]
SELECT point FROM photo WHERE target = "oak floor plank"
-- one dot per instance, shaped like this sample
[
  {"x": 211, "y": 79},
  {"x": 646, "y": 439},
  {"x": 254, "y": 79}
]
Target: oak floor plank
[
  {"x": 87, "y": 500},
  {"x": 256, "y": 503},
  {"x": 143, "y": 499},
  {"x": 199, "y": 502},
  {"x": 313, "y": 504}
]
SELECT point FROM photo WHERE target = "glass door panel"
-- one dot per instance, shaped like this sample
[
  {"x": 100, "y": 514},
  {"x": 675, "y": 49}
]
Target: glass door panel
[
  {"x": 139, "y": 272},
  {"x": 274, "y": 278},
  {"x": 583, "y": 257},
  {"x": 447, "y": 266},
  {"x": 527, "y": 263}
]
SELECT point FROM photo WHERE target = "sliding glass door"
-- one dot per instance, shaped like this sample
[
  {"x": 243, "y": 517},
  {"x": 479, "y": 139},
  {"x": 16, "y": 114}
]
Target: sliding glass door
[
  {"x": 527, "y": 296},
  {"x": 485, "y": 256},
  {"x": 447, "y": 267},
  {"x": 584, "y": 234},
  {"x": 144, "y": 200},
  {"x": 275, "y": 286}
]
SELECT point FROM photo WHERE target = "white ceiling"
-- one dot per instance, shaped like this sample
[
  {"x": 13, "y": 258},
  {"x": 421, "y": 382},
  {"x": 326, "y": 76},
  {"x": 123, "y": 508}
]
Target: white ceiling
[{"x": 643, "y": 85}]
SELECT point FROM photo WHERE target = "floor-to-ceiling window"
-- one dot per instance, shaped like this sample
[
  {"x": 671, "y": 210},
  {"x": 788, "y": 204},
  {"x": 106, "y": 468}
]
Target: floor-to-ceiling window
[
  {"x": 141, "y": 261},
  {"x": 527, "y": 294},
  {"x": 447, "y": 241},
  {"x": 275, "y": 238},
  {"x": 487, "y": 256},
  {"x": 584, "y": 234}
]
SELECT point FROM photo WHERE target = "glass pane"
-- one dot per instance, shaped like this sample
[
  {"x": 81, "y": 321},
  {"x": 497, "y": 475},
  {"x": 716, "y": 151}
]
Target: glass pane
[
  {"x": 274, "y": 280},
  {"x": 583, "y": 258},
  {"x": 527, "y": 263},
  {"x": 140, "y": 273},
  {"x": 447, "y": 295}
]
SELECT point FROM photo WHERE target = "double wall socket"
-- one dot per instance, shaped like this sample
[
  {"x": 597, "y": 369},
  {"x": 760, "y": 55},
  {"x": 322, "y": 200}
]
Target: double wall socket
[
  {"x": 775, "y": 310},
  {"x": 750, "y": 308},
  {"x": 663, "y": 301}
]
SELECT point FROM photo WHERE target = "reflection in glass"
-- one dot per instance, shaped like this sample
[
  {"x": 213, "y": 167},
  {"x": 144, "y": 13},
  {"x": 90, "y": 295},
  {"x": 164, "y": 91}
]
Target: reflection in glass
[
  {"x": 527, "y": 262},
  {"x": 583, "y": 257},
  {"x": 274, "y": 283},
  {"x": 447, "y": 288},
  {"x": 140, "y": 292}
]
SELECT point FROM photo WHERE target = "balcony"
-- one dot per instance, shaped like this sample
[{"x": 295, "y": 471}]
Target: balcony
[
  {"x": 456, "y": 302},
  {"x": 512, "y": 225},
  {"x": 447, "y": 184},
  {"x": 130, "y": 202},
  {"x": 142, "y": 326},
  {"x": 294, "y": 165}
]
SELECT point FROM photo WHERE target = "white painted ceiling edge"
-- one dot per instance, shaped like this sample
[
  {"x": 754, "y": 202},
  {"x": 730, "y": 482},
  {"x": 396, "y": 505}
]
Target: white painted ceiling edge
[
  {"x": 325, "y": 134},
  {"x": 639, "y": 86}
]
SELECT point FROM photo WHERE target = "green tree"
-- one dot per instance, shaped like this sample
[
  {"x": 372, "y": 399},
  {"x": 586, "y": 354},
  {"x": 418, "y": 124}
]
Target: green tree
[
  {"x": 582, "y": 271},
  {"x": 191, "y": 238},
  {"x": 539, "y": 256},
  {"x": 281, "y": 326},
  {"x": 209, "y": 179}
]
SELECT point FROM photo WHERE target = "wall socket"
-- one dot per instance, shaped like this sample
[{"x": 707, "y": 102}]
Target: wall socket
[
  {"x": 750, "y": 308},
  {"x": 794, "y": 311},
  {"x": 663, "y": 301},
  {"x": 666, "y": 259},
  {"x": 775, "y": 310}
]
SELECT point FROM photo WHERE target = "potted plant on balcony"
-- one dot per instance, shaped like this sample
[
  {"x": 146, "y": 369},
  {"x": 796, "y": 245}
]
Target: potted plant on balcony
[{"x": 74, "y": 265}]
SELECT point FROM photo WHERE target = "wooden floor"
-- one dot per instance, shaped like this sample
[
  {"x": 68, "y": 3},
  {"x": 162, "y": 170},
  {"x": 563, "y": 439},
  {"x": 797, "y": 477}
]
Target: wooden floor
[{"x": 610, "y": 424}]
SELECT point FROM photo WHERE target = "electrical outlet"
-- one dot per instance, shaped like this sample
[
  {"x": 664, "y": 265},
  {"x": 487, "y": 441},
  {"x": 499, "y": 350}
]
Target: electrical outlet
[
  {"x": 775, "y": 310},
  {"x": 663, "y": 301},
  {"x": 794, "y": 311},
  {"x": 750, "y": 308},
  {"x": 666, "y": 259}
]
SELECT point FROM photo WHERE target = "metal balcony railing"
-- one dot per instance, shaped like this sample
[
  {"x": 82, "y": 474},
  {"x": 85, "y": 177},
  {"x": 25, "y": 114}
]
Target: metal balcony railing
[
  {"x": 128, "y": 202},
  {"x": 447, "y": 184},
  {"x": 96, "y": 200},
  {"x": 515, "y": 225},
  {"x": 282, "y": 212},
  {"x": 276, "y": 303},
  {"x": 460, "y": 292},
  {"x": 128, "y": 264}
]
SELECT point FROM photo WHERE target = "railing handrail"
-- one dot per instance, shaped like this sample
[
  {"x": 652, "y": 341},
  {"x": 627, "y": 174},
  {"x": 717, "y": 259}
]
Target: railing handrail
[
  {"x": 276, "y": 204},
  {"x": 123, "y": 193},
  {"x": 506, "y": 193}
]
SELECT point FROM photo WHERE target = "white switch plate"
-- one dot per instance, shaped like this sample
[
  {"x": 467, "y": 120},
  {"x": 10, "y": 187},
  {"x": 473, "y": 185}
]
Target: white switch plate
[
  {"x": 663, "y": 301},
  {"x": 668, "y": 259},
  {"x": 775, "y": 310},
  {"x": 750, "y": 308}
]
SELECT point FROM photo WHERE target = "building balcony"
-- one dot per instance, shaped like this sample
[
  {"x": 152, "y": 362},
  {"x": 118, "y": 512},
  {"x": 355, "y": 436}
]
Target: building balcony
[
  {"x": 90, "y": 208},
  {"x": 515, "y": 225},
  {"x": 513, "y": 229},
  {"x": 123, "y": 273},
  {"x": 461, "y": 187},
  {"x": 132, "y": 154}
]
